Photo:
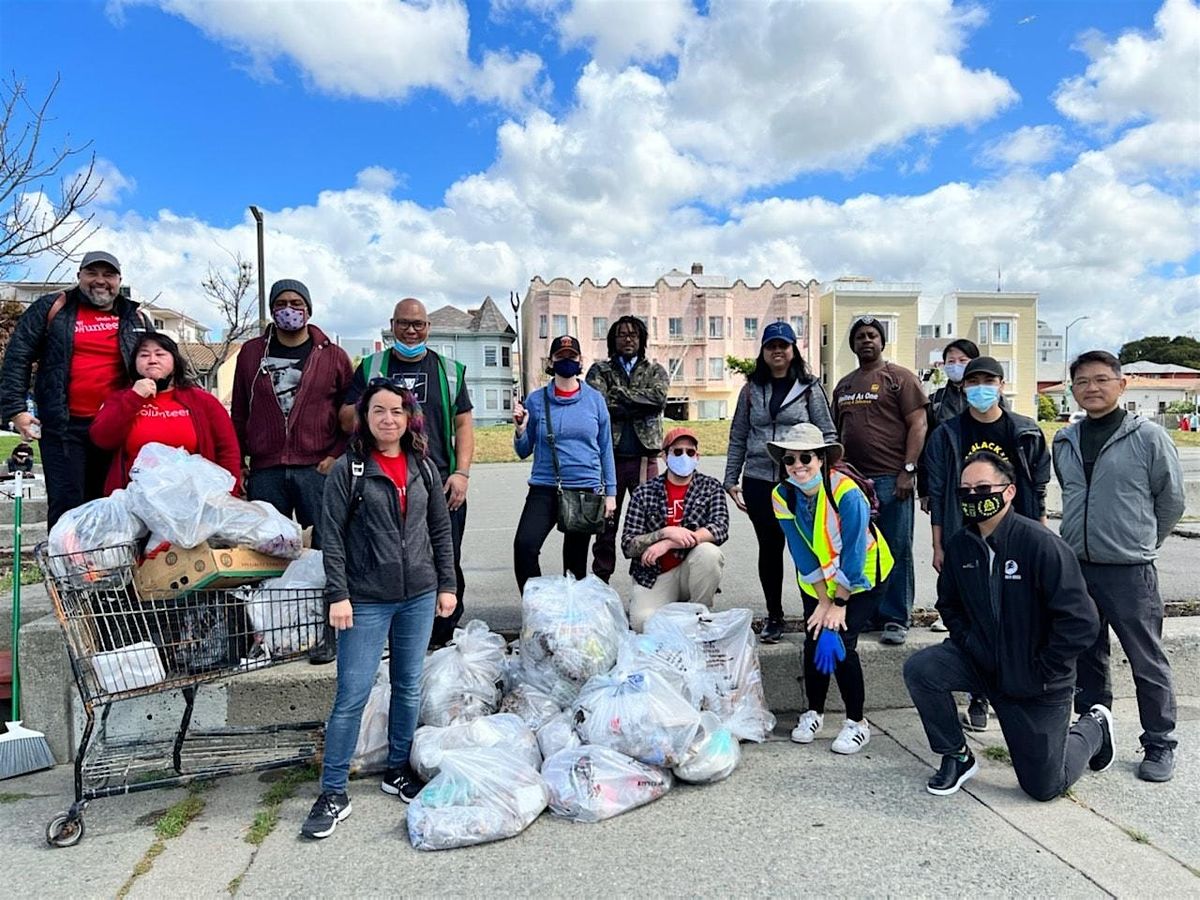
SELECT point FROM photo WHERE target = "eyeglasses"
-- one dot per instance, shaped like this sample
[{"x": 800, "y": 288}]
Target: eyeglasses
[
  {"x": 981, "y": 490},
  {"x": 803, "y": 459},
  {"x": 680, "y": 451},
  {"x": 1100, "y": 381},
  {"x": 410, "y": 324}
]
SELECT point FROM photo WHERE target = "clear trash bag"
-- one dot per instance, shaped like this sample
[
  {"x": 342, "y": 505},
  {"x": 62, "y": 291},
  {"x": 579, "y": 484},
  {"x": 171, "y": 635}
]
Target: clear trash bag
[
  {"x": 480, "y": 795},
  {"x": 540, "y": 676},
  {"x": 169, "y": 489},
  {"x": 641, "y": 714},
  {"x": 573, "y": 626},
  {"x": 502, "y": 730},
  {"x": 714, "y": 755},
  {"x": 106, "y": 522},
  {"x": 558, "y": 733},
  {"x": 255, "y": 524},
  {"x": 371, "y": 751},
  {"x": 287, "y": 612},
  {"x": 673, "y": 654},
  {"x": 463, "y": 680},
  {"x": 533, "y": 706},
  {"x": 590, "y": 783}
]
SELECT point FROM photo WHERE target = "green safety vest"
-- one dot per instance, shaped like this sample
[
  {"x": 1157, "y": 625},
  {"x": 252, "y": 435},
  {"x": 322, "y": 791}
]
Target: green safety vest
[{"x": 450, "y": 377}]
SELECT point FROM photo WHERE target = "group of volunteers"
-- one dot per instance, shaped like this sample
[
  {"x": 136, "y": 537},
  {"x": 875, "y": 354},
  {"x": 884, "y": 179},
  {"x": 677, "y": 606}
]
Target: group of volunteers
[{"x": 377, "y": 460}]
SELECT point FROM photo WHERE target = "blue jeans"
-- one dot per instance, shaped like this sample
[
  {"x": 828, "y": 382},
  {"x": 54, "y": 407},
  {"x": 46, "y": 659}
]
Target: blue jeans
[
  {"x": 406, "y": 626},
  {"x": 295, "y": 490},
  {"x": 896, "y": 523}
]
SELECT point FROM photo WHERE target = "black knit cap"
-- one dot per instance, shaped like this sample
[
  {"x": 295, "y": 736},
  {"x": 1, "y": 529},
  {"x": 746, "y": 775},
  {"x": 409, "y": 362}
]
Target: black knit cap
[
  {"x": 291, "y": 284},
  {"x": 874, "y": 323}
]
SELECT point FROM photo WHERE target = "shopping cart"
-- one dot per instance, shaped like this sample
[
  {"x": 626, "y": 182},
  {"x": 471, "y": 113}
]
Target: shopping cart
[{"x": 124, "y": 643}]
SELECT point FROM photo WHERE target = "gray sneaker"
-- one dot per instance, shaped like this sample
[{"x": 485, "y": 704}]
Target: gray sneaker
[
  {"x": 893, "y": 633},
  {"x": 1158, "y": 763}
]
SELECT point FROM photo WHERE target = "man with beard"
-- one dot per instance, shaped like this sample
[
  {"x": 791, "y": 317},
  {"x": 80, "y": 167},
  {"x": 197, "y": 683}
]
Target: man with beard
[
  {"x": 81, "y": 341},
  {"x": 635, "y": 390},
  {"x": 440, "y": 387}
]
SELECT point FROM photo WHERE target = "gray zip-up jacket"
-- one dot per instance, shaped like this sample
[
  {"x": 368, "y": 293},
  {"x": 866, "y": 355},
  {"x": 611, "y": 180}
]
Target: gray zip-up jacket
[
  {"x": 1134, "y": 499},
  {"x": 752, "y": 427}
]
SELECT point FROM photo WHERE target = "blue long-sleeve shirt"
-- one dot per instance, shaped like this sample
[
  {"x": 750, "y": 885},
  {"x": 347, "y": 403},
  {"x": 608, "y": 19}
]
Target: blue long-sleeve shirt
[
  {"x": 582, "y": 434},
  {"x": 849, "y": 569}
]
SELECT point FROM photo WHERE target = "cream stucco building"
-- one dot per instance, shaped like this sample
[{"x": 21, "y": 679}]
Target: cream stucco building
[{"x": 894, "y": 304}]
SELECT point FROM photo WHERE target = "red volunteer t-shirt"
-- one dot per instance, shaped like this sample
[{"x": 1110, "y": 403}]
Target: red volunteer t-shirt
[
  {"x": 396, "y": 469},
  {"x": 675, "y": 494},
  {"x": 161, "y": 419},
  {"x": 96, "y": 367}
]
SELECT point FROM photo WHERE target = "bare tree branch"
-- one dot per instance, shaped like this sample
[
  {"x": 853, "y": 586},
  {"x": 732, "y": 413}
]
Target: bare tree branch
[
  {"x": 228, "y": 290},
  {"x": 34, "y": 223}
]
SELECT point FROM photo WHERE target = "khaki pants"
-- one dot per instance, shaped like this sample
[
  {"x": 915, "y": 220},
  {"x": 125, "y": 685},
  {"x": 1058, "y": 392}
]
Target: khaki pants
[{"x": 694, "y": 580}]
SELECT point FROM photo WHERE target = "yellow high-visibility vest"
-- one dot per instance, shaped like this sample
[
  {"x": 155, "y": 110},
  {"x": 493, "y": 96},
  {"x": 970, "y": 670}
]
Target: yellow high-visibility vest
[{"x": 826, "y": 541}]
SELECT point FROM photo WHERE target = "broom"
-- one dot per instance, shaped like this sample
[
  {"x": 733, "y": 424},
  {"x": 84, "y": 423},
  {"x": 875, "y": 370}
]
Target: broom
[{"x": 22, "y": 749}]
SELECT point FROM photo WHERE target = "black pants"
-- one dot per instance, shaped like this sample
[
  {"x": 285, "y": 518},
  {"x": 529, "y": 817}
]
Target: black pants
[
  {"x": 538, "y": 519},
  {"x": 293, "y": 490},
  {"x": 630, "y": 471},
  {"x": 771, "y": 542},
  {"x": 74, "y": 469},
  {"x": 443, "y": 629},
  {"x": 1048, "y": 752},
  {"x": 849, "y": 674},
  {"x": 1127, "y": 598}
]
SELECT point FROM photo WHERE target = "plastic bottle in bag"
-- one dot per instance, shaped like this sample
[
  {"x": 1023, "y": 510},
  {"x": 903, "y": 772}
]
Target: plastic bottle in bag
[
  {"x": 714, "y": 755},
  {"x": 590, "y": 783},
  {"x": 574, "y": 626},
  {"x": 463, "y": 680},
  {"x": 641, "y": 714}
]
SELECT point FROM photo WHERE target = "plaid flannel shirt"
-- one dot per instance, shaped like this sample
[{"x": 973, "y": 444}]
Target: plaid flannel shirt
[{"x": 704, "y": 506}]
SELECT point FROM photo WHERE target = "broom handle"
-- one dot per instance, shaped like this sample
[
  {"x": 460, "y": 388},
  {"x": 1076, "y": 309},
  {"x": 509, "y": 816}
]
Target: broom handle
[{"x": 16, "y": 599}]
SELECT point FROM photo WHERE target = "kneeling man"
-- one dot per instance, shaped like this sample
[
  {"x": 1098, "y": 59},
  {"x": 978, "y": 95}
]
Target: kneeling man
[{"x": 672, "y": 531}]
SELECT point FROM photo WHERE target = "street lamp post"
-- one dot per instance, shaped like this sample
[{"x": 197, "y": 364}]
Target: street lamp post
[
  {"x": 1067, "y": 359},
  {"x": 262, "y": 276}
]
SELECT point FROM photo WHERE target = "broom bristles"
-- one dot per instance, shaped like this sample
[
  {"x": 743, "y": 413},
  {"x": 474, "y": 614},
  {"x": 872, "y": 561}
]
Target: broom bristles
[{"x": 23, "y": 750}]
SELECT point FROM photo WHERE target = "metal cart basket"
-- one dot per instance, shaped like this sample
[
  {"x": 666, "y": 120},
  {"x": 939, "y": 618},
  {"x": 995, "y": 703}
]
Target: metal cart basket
[{"x": 124, "y": 643}]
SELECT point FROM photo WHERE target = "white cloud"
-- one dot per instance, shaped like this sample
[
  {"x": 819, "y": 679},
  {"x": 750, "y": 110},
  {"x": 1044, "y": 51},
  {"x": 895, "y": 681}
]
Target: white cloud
[
  {"x": 377, "y": 180},
  {"x": 376, "y": 49},
  {"x": 1029, "y": 145},
  {"x": 111, "y": 183},
  {"x": 618, "y": 31}
]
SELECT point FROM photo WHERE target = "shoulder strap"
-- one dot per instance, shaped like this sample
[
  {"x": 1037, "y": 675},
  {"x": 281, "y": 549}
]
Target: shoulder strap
[
  {"x": 550, "y": 437},
  {"x": 356, "y": 469},
  {"x": 55, "y": 308}
]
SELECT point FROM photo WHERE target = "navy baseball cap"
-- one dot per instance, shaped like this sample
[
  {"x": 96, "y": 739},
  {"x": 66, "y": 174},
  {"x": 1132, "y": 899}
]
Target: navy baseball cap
[{"x": 778, "y": 331}]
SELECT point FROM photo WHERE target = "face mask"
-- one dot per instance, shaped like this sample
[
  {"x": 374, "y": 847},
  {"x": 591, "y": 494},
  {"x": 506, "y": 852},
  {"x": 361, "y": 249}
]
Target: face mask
[
  {"x": 683, "y": 466},
  {"x": 567, "y": 368},
  {"x": 980, "y": 509},
  {"x": 983, "y": 397},
  {"x": 161, "y": 384},
  {"x": 954, "y": 371},
  {"x": 409, "y": 352},
  {"x": 809, "y": 485},
  {"x": 288, "y": 318}
]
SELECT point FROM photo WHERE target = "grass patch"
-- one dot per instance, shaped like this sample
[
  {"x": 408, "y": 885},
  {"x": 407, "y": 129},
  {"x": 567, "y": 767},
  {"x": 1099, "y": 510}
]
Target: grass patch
[
  {"x": 1136, "y": 835},
  {"x": 15, "y": 798},
  {"x": 10, "y": 440},
  {"x": 30, "y": 574},
  {"x": 996, "y": 753},
  {"x": 171, "y": 824},
  {"x": 264, "y": 823},
  {"x": 273, "y": 797}
]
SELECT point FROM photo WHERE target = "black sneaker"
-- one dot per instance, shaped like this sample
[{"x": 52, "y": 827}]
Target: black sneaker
[
  {"x": 976, "y": 716},
  {"x": 953, "y": 774},
  {"x": 329, "y": 809},
  {"x": 772, "y": 631},
  {"x": 402, "y": 782},
  {"x": 1158, "y": 763},
  {"x": 1103, "y": 759}
]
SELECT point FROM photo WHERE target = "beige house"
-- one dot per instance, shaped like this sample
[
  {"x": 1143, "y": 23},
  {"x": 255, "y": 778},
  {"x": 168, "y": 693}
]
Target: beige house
[
  {"x": 694, "y": 321},
  {"x": 843, "y": 301},
  {"x": 1145, "y": 395},
  {"x": 1004, "y": 325},
  {"x": 202, "y": 357}
]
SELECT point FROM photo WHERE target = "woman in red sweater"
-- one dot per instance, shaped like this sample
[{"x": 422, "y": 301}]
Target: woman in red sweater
[{"x": 166, "y": 407}]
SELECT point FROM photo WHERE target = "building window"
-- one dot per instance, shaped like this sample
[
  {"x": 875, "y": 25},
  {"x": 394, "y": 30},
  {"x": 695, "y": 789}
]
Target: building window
[
  {"x": 711, "y": 409},
  {"x": 159, "y": 324},
  {"x": 1001, "y": 332},
  {"x": 575, "y": 326},
  {"x": 699, "y": 369},
  {"x": 798, "y": 326},
  {"x": 749, "y": 327},
  {"x": 716, "y": 368},
  {"x": 599, "y": 327},
  {"x": 675, "y": 369},
  {"x": 715, "y": 329},
  {"x": 506, "y": 357},
  {"x": 824, "y": 340},
  {"x": 489, "y": 358},
  {"x": 448, "y": 351},
  {"x": 699, "y": 332},
  {"x": 654, "y": 328},
  {"x": 983, "y": 331},
  {"x": 491, "y": 399},
  {"x": 675, "y": 328},
  {"x": 543, "y": 327},
  {"x": 506, "y": 400},
  {"x": 560, "y": 326}
]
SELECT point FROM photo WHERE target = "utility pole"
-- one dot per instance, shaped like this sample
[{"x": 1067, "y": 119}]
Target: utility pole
[{"x": 262, "y": 276}]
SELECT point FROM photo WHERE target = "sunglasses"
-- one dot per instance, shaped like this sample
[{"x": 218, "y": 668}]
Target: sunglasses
[
  {"x": 981, "y": 490},
  {"x": 803, "y": 459},
  {"x": 680, "y": 451},
  {"x": 389, "y": 381}
]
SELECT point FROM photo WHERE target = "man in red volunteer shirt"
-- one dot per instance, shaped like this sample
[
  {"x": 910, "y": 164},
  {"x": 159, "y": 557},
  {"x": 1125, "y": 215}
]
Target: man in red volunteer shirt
[{"x": 82, "y": 342}]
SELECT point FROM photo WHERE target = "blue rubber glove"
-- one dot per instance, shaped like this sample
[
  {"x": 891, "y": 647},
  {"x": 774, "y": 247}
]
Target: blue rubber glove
[{"x": 829, "y": 652}]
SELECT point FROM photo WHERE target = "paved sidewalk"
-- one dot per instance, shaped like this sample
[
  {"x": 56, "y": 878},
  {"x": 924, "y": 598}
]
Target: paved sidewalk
[{"x": 790, "y": 820}]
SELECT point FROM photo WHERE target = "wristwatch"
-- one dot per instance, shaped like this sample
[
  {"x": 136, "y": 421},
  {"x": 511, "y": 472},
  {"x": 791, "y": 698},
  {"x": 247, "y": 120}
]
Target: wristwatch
[{"x": 910, "y": 467}]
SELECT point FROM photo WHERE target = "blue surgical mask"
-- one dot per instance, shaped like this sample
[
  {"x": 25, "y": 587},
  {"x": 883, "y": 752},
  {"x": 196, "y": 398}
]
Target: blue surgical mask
[
  {"x": 409, "y": 352},
  {"x": 954, "y": 371},
  {"x": 809, "y": 485},
  {"x": 681, "y": 466},
  {"x": 567, "y": 368},
  {"x": 983, "y": 397}
]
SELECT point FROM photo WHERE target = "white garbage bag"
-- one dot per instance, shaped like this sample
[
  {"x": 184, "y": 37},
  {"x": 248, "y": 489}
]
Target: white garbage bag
[
  {"x": 534, "y": 707},
  {"x": 371, "y": 751},
  {"x": 573, "y": 626},
  {"x": 480, "y": 795},
  {"x": 255, "y": 524},
  {"x": 463, "y": 680},
  {"x": 714, "y": 755},
  {"x": 288, "y": 612},
  {"x": 590, "y": 783},
  {"x": 169, "y": 490},
  {"x": 128, "y": 668},
  {"x": 558, "y": 733},
  {"x": 502, "y": 730},
  {"x": 641, "y": 714},
  {"x": 731, "y": 655}
]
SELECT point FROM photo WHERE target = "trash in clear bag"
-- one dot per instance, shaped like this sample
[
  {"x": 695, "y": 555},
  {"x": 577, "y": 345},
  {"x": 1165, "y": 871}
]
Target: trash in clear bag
[
  {"x": 289, "y": 624},
  {"x": 540, "y": 676},
  {"x": 672, "y": 653},
  {"x": 129, "y": 668},
  {"x": 558, "y": 733},
  {"x": 463, "y": 680},
  {"x": 574, "y": 626},
  {"x": 590, "y": 783},
  {"x": 480, "y": 795},
  {"x": 169, "y": 490},
  {"x": 714, "y": 755},
  {"x": 641, "y": 714},
  {"x": 371, "y": 751},
  {"x": 255, "y": 524},
  {"x": 106, "y": 522},
  {"x": 731, "y": 655},
  {"x": 502, "y": 730},
  {"x": 534, "y": 707}
]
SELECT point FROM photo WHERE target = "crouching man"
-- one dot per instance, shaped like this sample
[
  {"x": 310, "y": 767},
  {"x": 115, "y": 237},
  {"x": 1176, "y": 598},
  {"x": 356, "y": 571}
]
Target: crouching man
[
  {"x": 675, "y": 524},
  {"x": 1018, "y": 612}
]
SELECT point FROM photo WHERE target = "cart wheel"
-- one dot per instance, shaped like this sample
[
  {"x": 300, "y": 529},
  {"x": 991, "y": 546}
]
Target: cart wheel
[{"x": 64, "y": 830}]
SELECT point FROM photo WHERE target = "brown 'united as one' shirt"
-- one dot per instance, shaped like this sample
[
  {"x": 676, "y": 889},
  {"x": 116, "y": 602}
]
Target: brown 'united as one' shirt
[{"x": 869, "y": 409}]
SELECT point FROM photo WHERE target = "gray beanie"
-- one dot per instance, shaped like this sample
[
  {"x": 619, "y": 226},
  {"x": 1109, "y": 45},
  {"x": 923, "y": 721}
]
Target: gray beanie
[{"x": 291, "y": 284}]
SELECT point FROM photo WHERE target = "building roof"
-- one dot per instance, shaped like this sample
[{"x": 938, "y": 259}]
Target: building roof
[
  {"x": 1142, "y": 383},
  {"x": 487, "y": 319},
  {"x": 202, "y": 356},
  {"x": 1145, "y": 367},
  {"x": 171, "y": 313},
  {"x": 675, "y": 279}
]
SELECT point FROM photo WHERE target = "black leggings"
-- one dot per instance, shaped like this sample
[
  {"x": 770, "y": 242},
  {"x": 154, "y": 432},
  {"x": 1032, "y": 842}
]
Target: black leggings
[
  {"x": 771, "y": 542},
  {"x": 848, "y": 673},
  {"x": 538, "y": 519}
]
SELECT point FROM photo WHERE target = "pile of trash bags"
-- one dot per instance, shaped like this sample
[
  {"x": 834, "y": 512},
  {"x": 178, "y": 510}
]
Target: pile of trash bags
[{"x": 582, "y": 715}]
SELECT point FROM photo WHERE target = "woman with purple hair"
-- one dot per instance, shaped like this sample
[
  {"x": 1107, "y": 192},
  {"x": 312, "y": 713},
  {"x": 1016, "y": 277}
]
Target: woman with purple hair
[{"x": 389, "y": 567}]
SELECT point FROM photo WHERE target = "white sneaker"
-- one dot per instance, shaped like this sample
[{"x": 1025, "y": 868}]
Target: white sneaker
[
  {"x": 938, "y": 625},
  {"x": 852, "y": 738},
  {"x": 808, "y": 726}
]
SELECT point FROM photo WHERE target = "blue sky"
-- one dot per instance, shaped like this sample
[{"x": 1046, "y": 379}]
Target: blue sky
[{"x": 476, "y": 145}]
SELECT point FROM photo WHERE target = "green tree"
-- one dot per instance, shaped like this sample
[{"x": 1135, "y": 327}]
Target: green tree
[
  {"x": 744, "y": 365},
  {"x": 1177, "y": 351},
  {"x": 1047, "y": 408}
]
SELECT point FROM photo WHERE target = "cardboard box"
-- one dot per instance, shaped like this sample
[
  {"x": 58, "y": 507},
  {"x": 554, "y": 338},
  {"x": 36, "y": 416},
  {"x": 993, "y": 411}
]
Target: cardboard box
[{"x": 176, "y": 571}]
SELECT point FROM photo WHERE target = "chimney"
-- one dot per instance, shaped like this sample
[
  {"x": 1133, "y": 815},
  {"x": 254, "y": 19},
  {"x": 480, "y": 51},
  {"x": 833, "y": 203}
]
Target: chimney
[{"x": 697, "y": 269}]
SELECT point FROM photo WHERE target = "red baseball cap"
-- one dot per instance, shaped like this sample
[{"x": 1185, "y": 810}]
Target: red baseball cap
[{"x": 676, "y": 434}]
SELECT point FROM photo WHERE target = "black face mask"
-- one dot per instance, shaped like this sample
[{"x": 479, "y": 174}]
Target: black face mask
[
  {"x": 976, "y": 508},
  {"x": 162, "y": 384}
]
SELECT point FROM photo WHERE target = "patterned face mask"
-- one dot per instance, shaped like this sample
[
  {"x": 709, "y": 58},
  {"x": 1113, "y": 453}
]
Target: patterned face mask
[{"x": 288, "y": 318}]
